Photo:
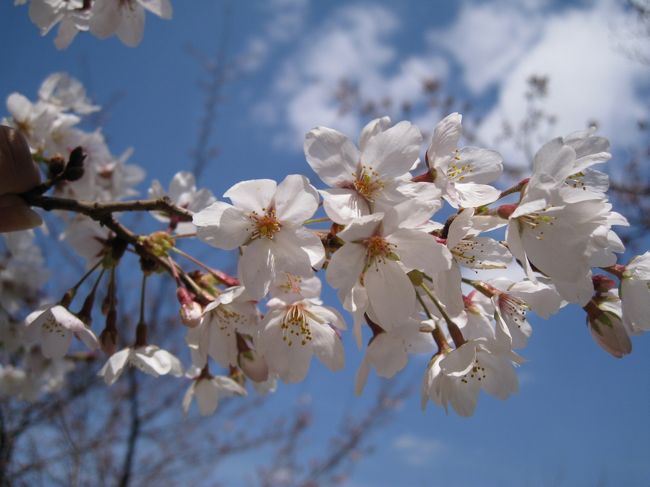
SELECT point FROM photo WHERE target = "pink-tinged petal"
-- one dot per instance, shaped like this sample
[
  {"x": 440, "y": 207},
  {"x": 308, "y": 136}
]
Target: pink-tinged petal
[
  {"x": 344, "y": 205},
  {"x": 331, "y": 155},
  {"x": 419, "y": 250},
  {"x": 472, "y": 195},
  {"x": 390, "y": 293},
  {"x": 257, "y": 267},
  {"x": 371, "y": 129},
  {"x": 130, "y": 30},
  {"x": 445, "y": 138},
  {"x": 295, "y": 200},
  {"x": 327, "y": 346},
  {"x": 255, "y": 195},
  {"x": 162, "y": 8},
  {"x": 392, "y": 153},
  {"x": 223, "y": 226},
  {"x": 346, "y": 266},
  {"x": 362, "y": 228}
]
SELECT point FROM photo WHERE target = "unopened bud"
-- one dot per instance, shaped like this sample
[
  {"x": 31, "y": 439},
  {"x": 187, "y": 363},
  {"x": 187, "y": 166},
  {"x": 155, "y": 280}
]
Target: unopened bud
[
  {"x": 504, "y": 211},
  {"x": 108, "y": 337},
  {"x": 55, "y": 166},
  {"x": 74, "y": 170},
  {"x": 607, "y": 330},
  {"x": 602, "y": 284},
  {"x": 158, "y": 243}
]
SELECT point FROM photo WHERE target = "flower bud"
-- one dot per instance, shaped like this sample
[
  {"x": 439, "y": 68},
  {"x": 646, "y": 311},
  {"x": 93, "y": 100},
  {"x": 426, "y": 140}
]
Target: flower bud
[
  {"x": 191, "y": 311},
  {"x": 607, "y": 328},
  {"x": 74, "y": 170}
]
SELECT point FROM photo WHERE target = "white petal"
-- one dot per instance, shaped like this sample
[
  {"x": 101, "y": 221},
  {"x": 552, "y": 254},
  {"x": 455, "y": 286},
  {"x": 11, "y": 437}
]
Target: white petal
[
  {"x": 419, "y": 250},
  {"x": 130, "y": 30},
  {"x": 343, "y": 205},
  {"x": 346, "y": 266},
  {"x": 393, "y": 152},
  {"x": 223, "y": 226},
  {"x": 162, "y": 8},
  {"x": 327, "y": 346},
  {"x": 472, "y": 195},
  {"x": 257, "y": 267},
  {"x": 445, "y": 137},
  {"x": 371, "y": 129},
  {"x": 331, "y": 155},
  {"x": 252, "y": 196},
  {"x": 295, "y": 199},
  {"x": 485, "y": 165},
  {"x": 391, "y": 293}
]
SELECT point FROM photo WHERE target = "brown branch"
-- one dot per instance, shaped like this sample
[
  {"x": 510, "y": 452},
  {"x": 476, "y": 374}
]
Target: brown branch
[
  {"x": 97, "y": 210},
  {"x": 103, "y": 214}
]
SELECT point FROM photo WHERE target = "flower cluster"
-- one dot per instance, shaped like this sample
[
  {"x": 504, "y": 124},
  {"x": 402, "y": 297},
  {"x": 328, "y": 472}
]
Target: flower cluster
[
  {"x": 103, "y": 18},
  {"x": 413, "y": 284}
]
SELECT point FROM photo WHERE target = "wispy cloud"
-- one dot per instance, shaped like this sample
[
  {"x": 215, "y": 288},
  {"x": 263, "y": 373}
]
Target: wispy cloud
[
  {"x": 353, "y": 44},
  {"x": 416, "y": 450},
  {"x": 285, "y": 21},
  {"x": 502, "y": 44}
]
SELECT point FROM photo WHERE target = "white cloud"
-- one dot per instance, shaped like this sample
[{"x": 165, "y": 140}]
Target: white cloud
[
  {"x": 286, "y": 20},
  {"x": 418, "y": 451},
  {"x": 589, "y": 77},
  {"x": 353, "y": 44},
  {"x": 487, "y": 39}
]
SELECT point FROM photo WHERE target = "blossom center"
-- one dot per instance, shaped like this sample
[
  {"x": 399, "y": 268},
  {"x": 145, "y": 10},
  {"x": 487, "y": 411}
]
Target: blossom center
[
  {"x": 456, "y": 170},
  {"x": 367, "y": 183},
  {"x": 477, "y": 372},
  {"x": 378, "y": 249},
  {"x": 295, "y": 326},
  {"x": 266, "y": 225}
]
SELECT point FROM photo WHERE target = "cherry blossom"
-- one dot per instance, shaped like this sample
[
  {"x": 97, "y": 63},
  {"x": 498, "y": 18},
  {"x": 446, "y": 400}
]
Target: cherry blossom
[
  {"x": 266, "y": 219},
  {"x": 148, "y": 358},
  {"x": 53, "y": 328},
  {"x": 208, "y": 391}
]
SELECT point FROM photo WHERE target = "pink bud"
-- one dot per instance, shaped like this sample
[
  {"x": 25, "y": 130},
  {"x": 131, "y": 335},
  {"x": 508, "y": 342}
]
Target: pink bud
[
  {"x": 191, "y": 314},
  {"x": 504, "y": 211}
]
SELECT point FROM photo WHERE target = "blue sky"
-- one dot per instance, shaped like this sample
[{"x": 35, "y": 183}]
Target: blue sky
[{"x": 581, "y": 417}]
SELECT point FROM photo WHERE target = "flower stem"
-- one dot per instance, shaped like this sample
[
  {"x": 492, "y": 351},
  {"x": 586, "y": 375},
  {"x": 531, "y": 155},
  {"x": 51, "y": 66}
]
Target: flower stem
[
  {"x": 219, "y": 275},
  {"x": 316, "y": 220},
  {"x": 454, "y": 330}
]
